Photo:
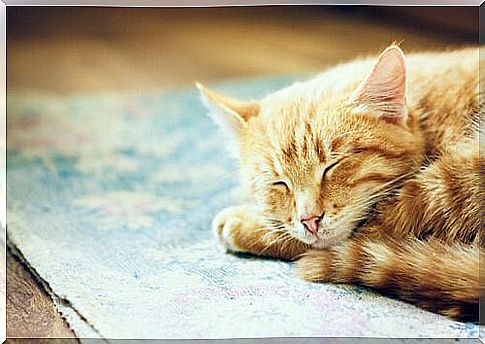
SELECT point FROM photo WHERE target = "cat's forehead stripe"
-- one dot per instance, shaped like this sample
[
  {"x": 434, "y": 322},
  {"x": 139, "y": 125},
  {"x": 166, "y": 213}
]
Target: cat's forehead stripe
[
  {"x": 321, "y": 153},
  {"x": 289, "y": 151},
  {"x": 308, "y": 147}
]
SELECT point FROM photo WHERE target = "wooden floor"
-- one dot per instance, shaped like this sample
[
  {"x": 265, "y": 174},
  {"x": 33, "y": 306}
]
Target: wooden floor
[
  {"x": 70, "y": 50},
  {"x": 30, "y": 312}
]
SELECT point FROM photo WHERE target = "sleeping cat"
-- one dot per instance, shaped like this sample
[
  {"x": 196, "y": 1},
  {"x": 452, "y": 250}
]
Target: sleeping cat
[{"x": 367, "y": 174}]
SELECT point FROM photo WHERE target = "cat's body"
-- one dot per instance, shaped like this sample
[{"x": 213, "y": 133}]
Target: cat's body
[{"x": 367, "y": 174}]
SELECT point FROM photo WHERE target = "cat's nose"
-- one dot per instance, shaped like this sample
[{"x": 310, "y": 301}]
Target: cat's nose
[{"x": 311, "y": 223}]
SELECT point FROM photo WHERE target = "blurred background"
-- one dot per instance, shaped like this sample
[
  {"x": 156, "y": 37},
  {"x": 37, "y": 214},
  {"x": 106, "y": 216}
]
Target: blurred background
[{"x": 69, "y": 50}]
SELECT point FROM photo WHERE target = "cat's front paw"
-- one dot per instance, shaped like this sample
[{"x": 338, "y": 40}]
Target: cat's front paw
[
  {"x": 242, "y": 229},
  {"x": 228, "y": 227},
  {"x": 315, "y": 266}
]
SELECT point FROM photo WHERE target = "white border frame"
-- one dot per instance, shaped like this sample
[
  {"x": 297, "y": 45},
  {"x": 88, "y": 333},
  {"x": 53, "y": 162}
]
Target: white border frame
[{"x": 140, "y": 3}]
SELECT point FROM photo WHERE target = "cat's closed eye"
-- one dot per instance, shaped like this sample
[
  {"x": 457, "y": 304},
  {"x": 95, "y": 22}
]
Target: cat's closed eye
[
  {"x": 281, "y": 184},
  {"x": 329, "y": 167}
]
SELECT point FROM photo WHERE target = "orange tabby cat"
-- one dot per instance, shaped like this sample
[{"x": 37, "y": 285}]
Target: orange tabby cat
[{"x": 367, "y": 174}]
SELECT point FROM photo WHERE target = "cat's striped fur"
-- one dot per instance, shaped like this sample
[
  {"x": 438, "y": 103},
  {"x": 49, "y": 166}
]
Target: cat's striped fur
[{"x": 389, "y": 155}]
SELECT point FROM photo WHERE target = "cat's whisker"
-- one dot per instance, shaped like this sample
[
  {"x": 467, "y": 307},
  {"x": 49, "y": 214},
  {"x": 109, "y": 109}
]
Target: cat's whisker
[
  {"x": 259, "y": 239},
  {"x": 286, "y": 241},
  {"x": 393, "y": 181},
  {"x": 378, "y": 193},
  {"x": 358, "y": 211},
  {"x": 269, "y": 234},
  {"x": 274, "y": 241}
]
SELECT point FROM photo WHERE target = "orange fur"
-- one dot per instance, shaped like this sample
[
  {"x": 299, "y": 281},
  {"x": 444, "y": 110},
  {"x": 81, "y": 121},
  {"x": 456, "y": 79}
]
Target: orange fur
[
  {"x": 438, "y": 277},
  {"x": 387, "y": 153}
]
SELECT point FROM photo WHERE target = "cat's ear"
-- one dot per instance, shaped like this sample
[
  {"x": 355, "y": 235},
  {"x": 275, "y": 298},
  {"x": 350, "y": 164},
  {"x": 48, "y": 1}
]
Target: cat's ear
[
  {"x": 229, "y": 114},
  {"x": 384, "y": 89}
]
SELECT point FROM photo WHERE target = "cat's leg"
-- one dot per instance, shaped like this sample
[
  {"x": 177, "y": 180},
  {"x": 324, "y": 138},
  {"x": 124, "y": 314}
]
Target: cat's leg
[
  {"x": 425, "y": 247},
  {"x": 439, "y": 277},
  {"x": 442, "y": 201},
  {"x": 241, "y": 229}
]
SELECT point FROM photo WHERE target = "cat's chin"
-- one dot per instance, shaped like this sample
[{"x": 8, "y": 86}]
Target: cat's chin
[{"x": 325, "y": 241}]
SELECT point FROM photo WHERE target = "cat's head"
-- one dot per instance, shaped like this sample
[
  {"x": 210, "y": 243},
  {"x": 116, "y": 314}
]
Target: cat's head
[{"x": 317, "y": 155}]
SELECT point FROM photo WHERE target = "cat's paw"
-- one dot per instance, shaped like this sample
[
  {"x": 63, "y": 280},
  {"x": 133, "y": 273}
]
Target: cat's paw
[
  {"x": 315, "y": 266},
  {"x": 241, "y": 229},
  {"x": 228, "y": 226}
]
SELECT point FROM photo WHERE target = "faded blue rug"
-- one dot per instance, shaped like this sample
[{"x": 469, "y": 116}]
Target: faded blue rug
[{"x": 110, "y": 199}]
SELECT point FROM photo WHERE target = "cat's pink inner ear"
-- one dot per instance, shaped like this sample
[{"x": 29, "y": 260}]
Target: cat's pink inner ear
[{"x": 384, "y": 89}]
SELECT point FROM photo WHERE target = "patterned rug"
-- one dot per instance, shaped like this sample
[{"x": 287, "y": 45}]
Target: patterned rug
[{"x": 110, "y": 199}]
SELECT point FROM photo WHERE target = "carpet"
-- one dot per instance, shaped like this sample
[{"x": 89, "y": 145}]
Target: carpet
[{"x": 110, "y": 199}]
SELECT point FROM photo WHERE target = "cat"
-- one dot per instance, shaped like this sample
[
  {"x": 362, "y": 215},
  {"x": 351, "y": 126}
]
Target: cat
[{"x": 367, "y": 174}]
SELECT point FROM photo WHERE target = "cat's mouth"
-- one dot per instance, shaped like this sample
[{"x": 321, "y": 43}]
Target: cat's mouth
[
  {"x": 324, "y": 240},
  {"x": 329, "y": 237},
  {"x": 325, "y": 236},
  {"x": 331, "y": 231}
]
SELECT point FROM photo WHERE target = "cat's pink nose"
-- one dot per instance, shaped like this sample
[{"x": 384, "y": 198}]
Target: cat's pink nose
[{"x": 311, "y": 223}]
